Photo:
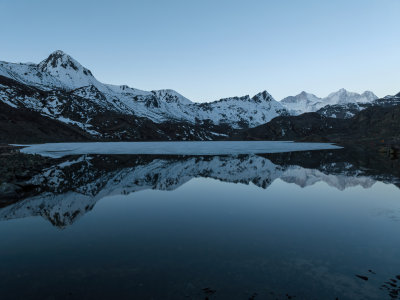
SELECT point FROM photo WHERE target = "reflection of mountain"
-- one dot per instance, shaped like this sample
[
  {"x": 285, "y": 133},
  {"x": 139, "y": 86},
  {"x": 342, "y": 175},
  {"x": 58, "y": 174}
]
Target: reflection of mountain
[{"x": 71, "y": 188}]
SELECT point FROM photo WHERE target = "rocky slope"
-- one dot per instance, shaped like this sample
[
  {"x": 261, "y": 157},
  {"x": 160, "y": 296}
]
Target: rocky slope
[
  {"x": 31, "y": 115},
  {"x": 62, "y": 89},
  {"x": 348, "y": 110},
  {"x": 376, "y": 125},
  {"x": 60, "y": 100},
  {"x": 25, "y": 126}
]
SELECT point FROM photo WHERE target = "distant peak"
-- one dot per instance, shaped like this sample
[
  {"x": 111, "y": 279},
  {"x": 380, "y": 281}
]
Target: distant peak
[
  {"x": 369, "y": 93},
  {"x": 341, "y": 93},
  {"x": 59, "y": 53},
  {"x": 263, "y": 96},
  {"x": 307, "y": 95}
]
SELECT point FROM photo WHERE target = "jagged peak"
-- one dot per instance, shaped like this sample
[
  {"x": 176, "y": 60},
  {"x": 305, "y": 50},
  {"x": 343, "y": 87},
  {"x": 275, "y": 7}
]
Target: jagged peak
[
  {"x": 170, "y": 95},
  {"x": 341, "y": 93},
  {"x": 307, "y": 94},
  {"x": 60, "y": 59},
  {"x": 59, "y": 52},
  {"x": 369, "y": 94},
  {"x": 236, "y": 98},
  {"x": 263, "y": 96},
  {"x": 167, "y": 91},
  {"x": 302, "y": 96}
]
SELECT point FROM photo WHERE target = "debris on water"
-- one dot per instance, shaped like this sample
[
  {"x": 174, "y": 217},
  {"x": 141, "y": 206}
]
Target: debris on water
[
  {"x": 362, "y": 277},
  {"x": 391, "y": 287}
]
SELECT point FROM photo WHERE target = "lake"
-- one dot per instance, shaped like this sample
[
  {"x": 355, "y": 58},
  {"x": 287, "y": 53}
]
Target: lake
[{"x": 260, "y": 221}]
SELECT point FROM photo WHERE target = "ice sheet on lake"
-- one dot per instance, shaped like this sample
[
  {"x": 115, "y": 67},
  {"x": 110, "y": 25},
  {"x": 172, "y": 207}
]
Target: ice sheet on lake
[{"x": 173, "y": 148}]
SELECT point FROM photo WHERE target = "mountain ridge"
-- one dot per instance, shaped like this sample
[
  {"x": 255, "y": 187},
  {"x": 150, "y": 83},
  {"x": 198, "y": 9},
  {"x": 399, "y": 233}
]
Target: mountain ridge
[
  {"x": 307, "y": 102},
  {"x": 62, "y": 89},
  {"x": 59, "y": 71}
]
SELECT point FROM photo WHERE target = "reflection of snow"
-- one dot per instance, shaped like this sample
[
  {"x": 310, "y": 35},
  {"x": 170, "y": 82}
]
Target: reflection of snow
[{"x": 72, "y": 188}]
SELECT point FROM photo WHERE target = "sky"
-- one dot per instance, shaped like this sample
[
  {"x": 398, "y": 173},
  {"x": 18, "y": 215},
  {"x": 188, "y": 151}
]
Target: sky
[{"x": 207, "y": 50}]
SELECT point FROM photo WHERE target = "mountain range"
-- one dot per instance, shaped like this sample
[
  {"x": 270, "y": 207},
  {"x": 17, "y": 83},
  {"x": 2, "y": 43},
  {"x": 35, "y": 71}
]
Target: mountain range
[
  {"x": 306, "y": 102},
  {"x": 62, "y": 92}
]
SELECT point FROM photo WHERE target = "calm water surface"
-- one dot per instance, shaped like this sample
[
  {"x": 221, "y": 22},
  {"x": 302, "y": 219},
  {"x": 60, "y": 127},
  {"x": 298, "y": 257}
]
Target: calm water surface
[{"x": 275, "y": 226}]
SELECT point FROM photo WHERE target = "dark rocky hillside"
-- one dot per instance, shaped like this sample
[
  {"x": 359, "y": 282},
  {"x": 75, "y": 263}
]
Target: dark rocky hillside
[
  {"x": 25, "y": 126},
  {"x": 375, "y": 125},
  {"x": 348, "y": 110}
]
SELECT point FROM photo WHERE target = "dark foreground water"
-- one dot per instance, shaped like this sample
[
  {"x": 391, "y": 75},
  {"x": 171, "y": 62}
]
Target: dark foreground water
[{"x": 278, "y": 226}]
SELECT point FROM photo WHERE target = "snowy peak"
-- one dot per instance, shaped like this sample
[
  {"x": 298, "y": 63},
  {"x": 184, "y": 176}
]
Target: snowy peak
[
  {"x": 306, "y": 102},
  {"x": 59, "y": 59},
  {"x": 310, "y": 97},
  {"x": 57, "y": 71},
  {"x": 67, "y": 70},
  {"x": 343, "y": 96},
  {"x": 62, "y": 74},
  {"x": 369, "y": 95},
  {"x": 300, "y": 103},
  {"x": 302, "y": 97},
  {"x": 263, "y": 97},
  {"x": 171, "y": 96}
]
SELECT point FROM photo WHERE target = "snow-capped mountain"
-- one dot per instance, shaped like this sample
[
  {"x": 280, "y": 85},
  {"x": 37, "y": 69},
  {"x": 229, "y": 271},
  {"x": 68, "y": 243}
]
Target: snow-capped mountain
[
  {"x": 305, "y": 102},
  {"x": 301, "y": 103},
  {"x": 61, "y": 88},
  {"x": 348, "y": 110}
]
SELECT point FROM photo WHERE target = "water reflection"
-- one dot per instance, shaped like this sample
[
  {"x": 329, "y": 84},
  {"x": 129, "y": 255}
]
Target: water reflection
[
  {"x": 304, "y": 225},
  {"x": 73, "y": 185}
]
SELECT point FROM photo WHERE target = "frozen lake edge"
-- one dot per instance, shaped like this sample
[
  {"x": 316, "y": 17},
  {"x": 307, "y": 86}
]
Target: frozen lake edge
[{"x": 57, "y": 150}]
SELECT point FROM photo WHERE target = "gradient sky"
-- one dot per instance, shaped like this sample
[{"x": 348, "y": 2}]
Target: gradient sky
[{"x": 208, "y": 50}]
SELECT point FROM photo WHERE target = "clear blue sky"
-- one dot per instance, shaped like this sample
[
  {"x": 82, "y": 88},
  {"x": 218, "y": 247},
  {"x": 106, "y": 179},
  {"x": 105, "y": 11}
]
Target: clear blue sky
[{"x": 212, "y": 49}]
